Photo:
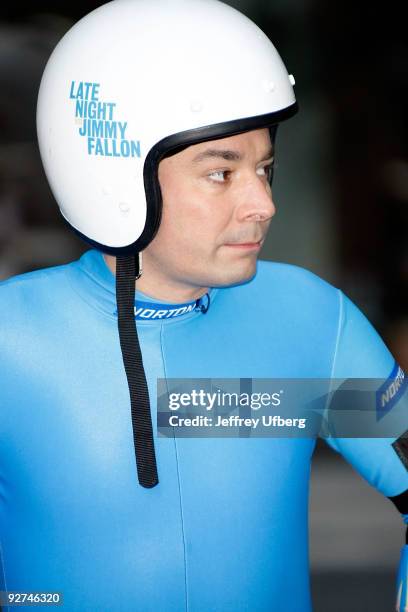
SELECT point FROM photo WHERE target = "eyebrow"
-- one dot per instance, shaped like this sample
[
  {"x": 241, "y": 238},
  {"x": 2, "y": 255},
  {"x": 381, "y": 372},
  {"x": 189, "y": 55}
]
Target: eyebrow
[{"x": 227, "y": 154}]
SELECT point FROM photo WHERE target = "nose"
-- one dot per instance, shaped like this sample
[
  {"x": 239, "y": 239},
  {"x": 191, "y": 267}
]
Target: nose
[{"x": 256, "y": 203}]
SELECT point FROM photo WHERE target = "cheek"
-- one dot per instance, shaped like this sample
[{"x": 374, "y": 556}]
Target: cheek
[{"x": 191, "y": 215}]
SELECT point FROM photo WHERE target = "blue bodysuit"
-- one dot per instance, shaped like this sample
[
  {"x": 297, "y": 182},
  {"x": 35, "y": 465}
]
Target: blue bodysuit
[{"x": 226, "y": 528}]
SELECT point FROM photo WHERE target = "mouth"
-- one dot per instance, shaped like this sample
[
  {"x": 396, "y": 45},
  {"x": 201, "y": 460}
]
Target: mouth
[{"x": 245, "y": 245}]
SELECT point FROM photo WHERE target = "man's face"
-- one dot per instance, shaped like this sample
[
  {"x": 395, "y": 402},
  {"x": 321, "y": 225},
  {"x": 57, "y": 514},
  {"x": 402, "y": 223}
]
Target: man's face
[{"x": 217, "y": 206}]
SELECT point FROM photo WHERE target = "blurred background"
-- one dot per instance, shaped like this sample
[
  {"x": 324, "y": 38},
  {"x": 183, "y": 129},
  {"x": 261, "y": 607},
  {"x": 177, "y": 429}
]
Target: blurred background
[{"x": 341, "y": 191}]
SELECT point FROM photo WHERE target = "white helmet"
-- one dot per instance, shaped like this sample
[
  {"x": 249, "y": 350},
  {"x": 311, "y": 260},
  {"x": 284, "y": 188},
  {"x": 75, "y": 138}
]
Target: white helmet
[{"x": 135, "y": 79}]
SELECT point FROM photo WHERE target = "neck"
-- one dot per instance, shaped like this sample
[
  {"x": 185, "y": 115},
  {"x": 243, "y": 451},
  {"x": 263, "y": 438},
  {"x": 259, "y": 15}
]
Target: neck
[{"x": 159, "y": 286}]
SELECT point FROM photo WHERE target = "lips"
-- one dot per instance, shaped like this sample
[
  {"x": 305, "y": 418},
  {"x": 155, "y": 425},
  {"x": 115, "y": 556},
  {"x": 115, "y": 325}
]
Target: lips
[
  {"x": 244, "y": 245},
  {"x": 252, "y": 243}
]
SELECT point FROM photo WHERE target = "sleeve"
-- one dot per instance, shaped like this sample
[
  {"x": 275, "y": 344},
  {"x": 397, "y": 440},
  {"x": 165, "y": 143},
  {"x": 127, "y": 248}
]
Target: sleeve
[{"x": 361, "y": 353}]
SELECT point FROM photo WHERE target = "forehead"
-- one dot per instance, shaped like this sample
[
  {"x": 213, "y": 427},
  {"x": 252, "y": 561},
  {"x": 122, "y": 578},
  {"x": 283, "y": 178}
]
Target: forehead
[{"x": 254, "y": 142}]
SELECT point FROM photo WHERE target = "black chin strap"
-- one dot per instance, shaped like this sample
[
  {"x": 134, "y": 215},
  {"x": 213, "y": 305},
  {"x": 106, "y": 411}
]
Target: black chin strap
[{"x": 127, "y": 270}]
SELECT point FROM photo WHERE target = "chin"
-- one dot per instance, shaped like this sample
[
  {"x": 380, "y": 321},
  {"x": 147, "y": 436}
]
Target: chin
[{"x": 234, "y": 275}]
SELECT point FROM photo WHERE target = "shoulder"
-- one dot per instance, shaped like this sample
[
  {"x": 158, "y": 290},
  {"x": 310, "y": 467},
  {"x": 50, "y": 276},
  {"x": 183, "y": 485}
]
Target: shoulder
[
  {"x": 288, "y": 293},
  {"x": 293, "y": 282},
  {"x": 291, "y": 273},
  {"x": 25, "y": 292},
  {"x": 33, "y": 279},
  {"x": 361, "y": 351}
]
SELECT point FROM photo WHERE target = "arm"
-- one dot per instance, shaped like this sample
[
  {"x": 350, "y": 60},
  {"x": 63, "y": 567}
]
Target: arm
[{"x": 382, "y": 462}]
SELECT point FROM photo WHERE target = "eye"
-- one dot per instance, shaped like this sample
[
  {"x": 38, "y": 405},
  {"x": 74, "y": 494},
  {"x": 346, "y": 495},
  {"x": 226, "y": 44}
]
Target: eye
[
  {"x": 266, "y": 171},
  {"x": 219, "y": 176}
]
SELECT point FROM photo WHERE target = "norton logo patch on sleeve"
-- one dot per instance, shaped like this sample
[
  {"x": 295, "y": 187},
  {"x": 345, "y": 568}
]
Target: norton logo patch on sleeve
[
  {"x": 391, "y": 391},
  {"x": 103, "y": 133}
]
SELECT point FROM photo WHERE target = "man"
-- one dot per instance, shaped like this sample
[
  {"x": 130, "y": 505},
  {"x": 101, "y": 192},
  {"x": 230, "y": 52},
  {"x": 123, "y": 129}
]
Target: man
[{"x": 156, "y": 125}]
